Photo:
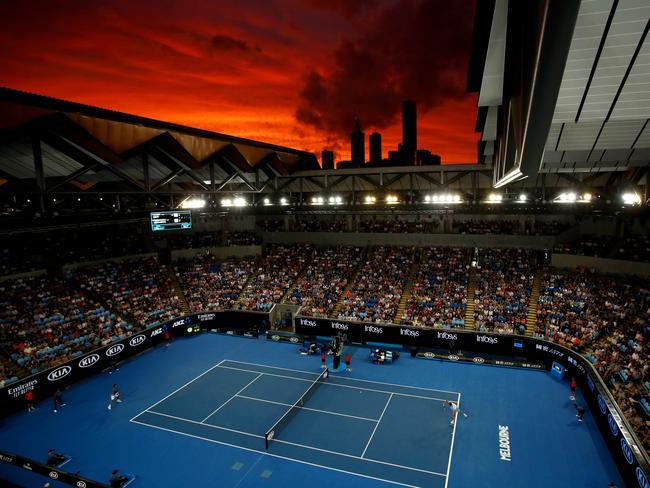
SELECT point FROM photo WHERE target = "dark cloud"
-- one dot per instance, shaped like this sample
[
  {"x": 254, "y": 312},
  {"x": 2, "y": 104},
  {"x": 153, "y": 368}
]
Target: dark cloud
[
  {"x": 227, "y": 43},
  {"x": 415, "y": 49}
]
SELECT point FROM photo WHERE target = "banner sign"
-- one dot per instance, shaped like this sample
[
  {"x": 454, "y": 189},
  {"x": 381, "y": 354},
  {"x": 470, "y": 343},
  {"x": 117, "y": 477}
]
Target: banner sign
[{"x": 49, "y": 471}]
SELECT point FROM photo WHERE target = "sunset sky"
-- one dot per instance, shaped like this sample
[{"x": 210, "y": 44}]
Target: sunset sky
[{"x": 289, "y": 72}]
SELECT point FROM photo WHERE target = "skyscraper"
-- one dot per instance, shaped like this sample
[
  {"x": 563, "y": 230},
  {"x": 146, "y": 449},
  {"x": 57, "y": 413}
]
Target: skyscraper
[
  {"x": 375, "y": 148},
  {"x": 327, "y": 159},
  {"x": 409, "y": 132},
  {"x": 358, "y": 145}
]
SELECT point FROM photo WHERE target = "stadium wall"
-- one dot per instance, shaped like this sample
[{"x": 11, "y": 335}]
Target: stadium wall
[
  {"x": 218, "y": 252},
  {"x": 602, "y": 265},
  {"x": 381, "y": 239}
]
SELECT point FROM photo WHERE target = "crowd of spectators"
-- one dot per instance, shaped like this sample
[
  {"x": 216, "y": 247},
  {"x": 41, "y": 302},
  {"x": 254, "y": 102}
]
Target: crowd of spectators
[
  {"x": 438, "y": 296},
  {"x": 44, "y": 322},
  {"x": 634, "y": 248},
  {"x": 550, "y": 227},
  {"x": 512, "y": 227},
  {"x": 503, "y": 287},
  {"x": 278, "y": 269},
  {"x": 141, "y": 291},
  {"x": 326, "y": 276},
  {"x": 377, "y": 290},
  {"x": 398, "y": 226},
  {"x": 212, "y": 284},
  {"x": 271, "y": 225},
  {"x": 203, "y": 239},
  {"x": 241, "y": 238},
  {"x": 314, "y": 225},
  {"x": 587, "y": 245}
]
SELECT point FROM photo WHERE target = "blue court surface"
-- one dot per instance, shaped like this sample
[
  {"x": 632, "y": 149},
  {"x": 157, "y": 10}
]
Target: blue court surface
[{"x": 195, "y": 414}]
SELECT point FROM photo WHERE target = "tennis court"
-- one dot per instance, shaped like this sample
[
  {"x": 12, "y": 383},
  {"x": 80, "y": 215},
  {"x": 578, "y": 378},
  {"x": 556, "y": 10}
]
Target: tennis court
[{"x": 377, "y": 430}]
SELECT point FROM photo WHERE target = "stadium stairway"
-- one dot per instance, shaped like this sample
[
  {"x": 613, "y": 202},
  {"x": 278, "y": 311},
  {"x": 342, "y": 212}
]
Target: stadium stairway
[
  {"x": 177, "y": 288},
  {"x": 353, "y": 280},
  {"x": 531, "y": 318},
  {"x": 406, "y": 295},
  {"x": 12, "y": 369},
  {"x": 471, "y": 291}
]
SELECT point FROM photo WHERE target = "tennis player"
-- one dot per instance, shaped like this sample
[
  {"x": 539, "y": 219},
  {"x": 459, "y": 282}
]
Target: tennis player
[
  {"x": 454, "y": 408},
  {"x": 115, "y": 396}
]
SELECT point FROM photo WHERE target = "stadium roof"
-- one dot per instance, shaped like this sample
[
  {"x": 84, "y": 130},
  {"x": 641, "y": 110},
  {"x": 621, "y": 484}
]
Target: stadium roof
[
  {"x": 74, "y": 144},
  {"x": 563, "y": 86}
]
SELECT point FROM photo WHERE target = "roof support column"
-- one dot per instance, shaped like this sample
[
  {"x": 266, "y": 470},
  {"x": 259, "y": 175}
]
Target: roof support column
[{"x": 38, "y": 171}]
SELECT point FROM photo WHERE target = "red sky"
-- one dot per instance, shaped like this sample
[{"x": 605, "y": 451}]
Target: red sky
[{"x": 289, "y": 72}]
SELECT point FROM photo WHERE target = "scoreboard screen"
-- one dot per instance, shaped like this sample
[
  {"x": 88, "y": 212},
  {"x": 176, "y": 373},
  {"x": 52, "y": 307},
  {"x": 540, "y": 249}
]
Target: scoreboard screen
[{"x": 171, "y": 220}]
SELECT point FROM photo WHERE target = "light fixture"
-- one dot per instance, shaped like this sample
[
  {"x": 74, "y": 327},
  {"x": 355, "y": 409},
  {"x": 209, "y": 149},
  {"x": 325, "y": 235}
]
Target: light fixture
[
  {"x": 317, "y": 200},
  {"x": 283, "y": 201},
  {"x": 193, "y": 203},
  {"x": 586, "y": 197},
  {"x": 370, "y": 199},
  {"x": 495, "y": 198},
  {"x": 391, "y": 199},
  {"x": 631, "y": 198},
  {"x": 338, "y": 199},
  {"x": 226, "y": 202},
  {"x": 427, "y": 198},
  {"x": 523, "y": 197},
  {"x": 239, "y": 202},
  {"x": 267, "y": 201}
]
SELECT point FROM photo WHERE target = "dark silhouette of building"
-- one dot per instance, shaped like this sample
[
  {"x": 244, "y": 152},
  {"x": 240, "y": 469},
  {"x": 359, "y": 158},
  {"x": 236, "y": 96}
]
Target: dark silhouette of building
[
  {"x": 409, "y": 132},
  {"x": 423, "y": 157},
  {"x": 328, "y": 159},
  {"x": 375, "y": 148},
  {"x": 358, "y": 145},
  {"x": 345, "y": 165}
]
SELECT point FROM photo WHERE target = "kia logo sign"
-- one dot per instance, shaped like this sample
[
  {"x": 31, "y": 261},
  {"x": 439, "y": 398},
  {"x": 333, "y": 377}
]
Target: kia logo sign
[
  {"x": 601, "y": 404},
  {"x": 81, "y": 484},
  {"x": 627, "y": 452},
  {"x": 294, "y": 340},
  {"x": 429, "y": 355},
  {"x": 88, "y": 361},
  {"x": 453, "y": 357},
  {"x": 479, "y": 360},
  {"x": 640, "y": 477},
  {"x": 137, "y": 340},
  {"x": 275, "y": 337},
  {"x": 612, "y": 425},
  {"x": 54, "y": 475},
  {"x": 115, "y": 350},
  {"x": 59, "y": 373}
]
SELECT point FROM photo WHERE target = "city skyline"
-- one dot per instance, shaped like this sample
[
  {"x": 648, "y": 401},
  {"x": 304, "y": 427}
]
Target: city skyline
[{"x": 285, "y": 72}]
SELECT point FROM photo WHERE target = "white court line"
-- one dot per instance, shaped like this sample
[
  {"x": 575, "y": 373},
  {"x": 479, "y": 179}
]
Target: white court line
[
  {"x": 228, "y": 401},
  {"x": 205, "y": 425},
  {"x": 375, "y": 429},
  {"x": 64, "y": 462},
  {"x": 340, "y": 386},
  {"x": 307, "y": 408},
  {"x": 451, "y": 449},
  {"x": 408, "y": 468},
  {"x": 352, "y": 456},
  {"x": 342, "y": 377},
  {"x": 273, "y": 455},
  {"x": 180, "y": 388}
]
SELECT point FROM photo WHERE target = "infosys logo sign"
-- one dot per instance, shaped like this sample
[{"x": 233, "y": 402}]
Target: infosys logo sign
[
  {"x": 339, "y": 326},
  {"x": 612, "y": 425},
  {"x": 448, "y": 336},
  {"x": 601, "y": 404},
  {"x": 486, "y": 339},
  {"x": 137, "y": 340},
  {"x": 115, "y": 350},
  {"x": 627, "y": 452},
  {"x": 59, "y": 373},
  {"x": 308, "y": 323},
  {"x": 409, "y": 333},
  {"x": 373, "y": 329},
  {"x": 641, "y": 478},
  {"x": 88, "y": 361}
]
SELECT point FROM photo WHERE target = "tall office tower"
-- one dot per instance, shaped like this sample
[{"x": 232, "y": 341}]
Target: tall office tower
[
  {"x": 358, "y": 145},
  {"x": 409, "y": 132},
  {"x": 375, "y": 148},
  {"x": 327, "y": 159}
]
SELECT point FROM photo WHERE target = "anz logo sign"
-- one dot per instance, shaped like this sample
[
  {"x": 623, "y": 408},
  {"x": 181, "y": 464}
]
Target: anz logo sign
[
  {"x": 612, "y": 425},
  {"x": 601, "y": 404},
  {"x": 59, "y": 373},
  {"x": 115, "y": 350},
  {"x": 627, "y": 452},
  {"x": 88, "y": 361},
  {"x": 137, "y": 340},
  {"x": 641, "y": 478}
]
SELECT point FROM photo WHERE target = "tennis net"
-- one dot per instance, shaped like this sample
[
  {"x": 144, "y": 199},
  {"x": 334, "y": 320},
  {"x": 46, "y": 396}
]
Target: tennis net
[{"x": 289, "y": 414}]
